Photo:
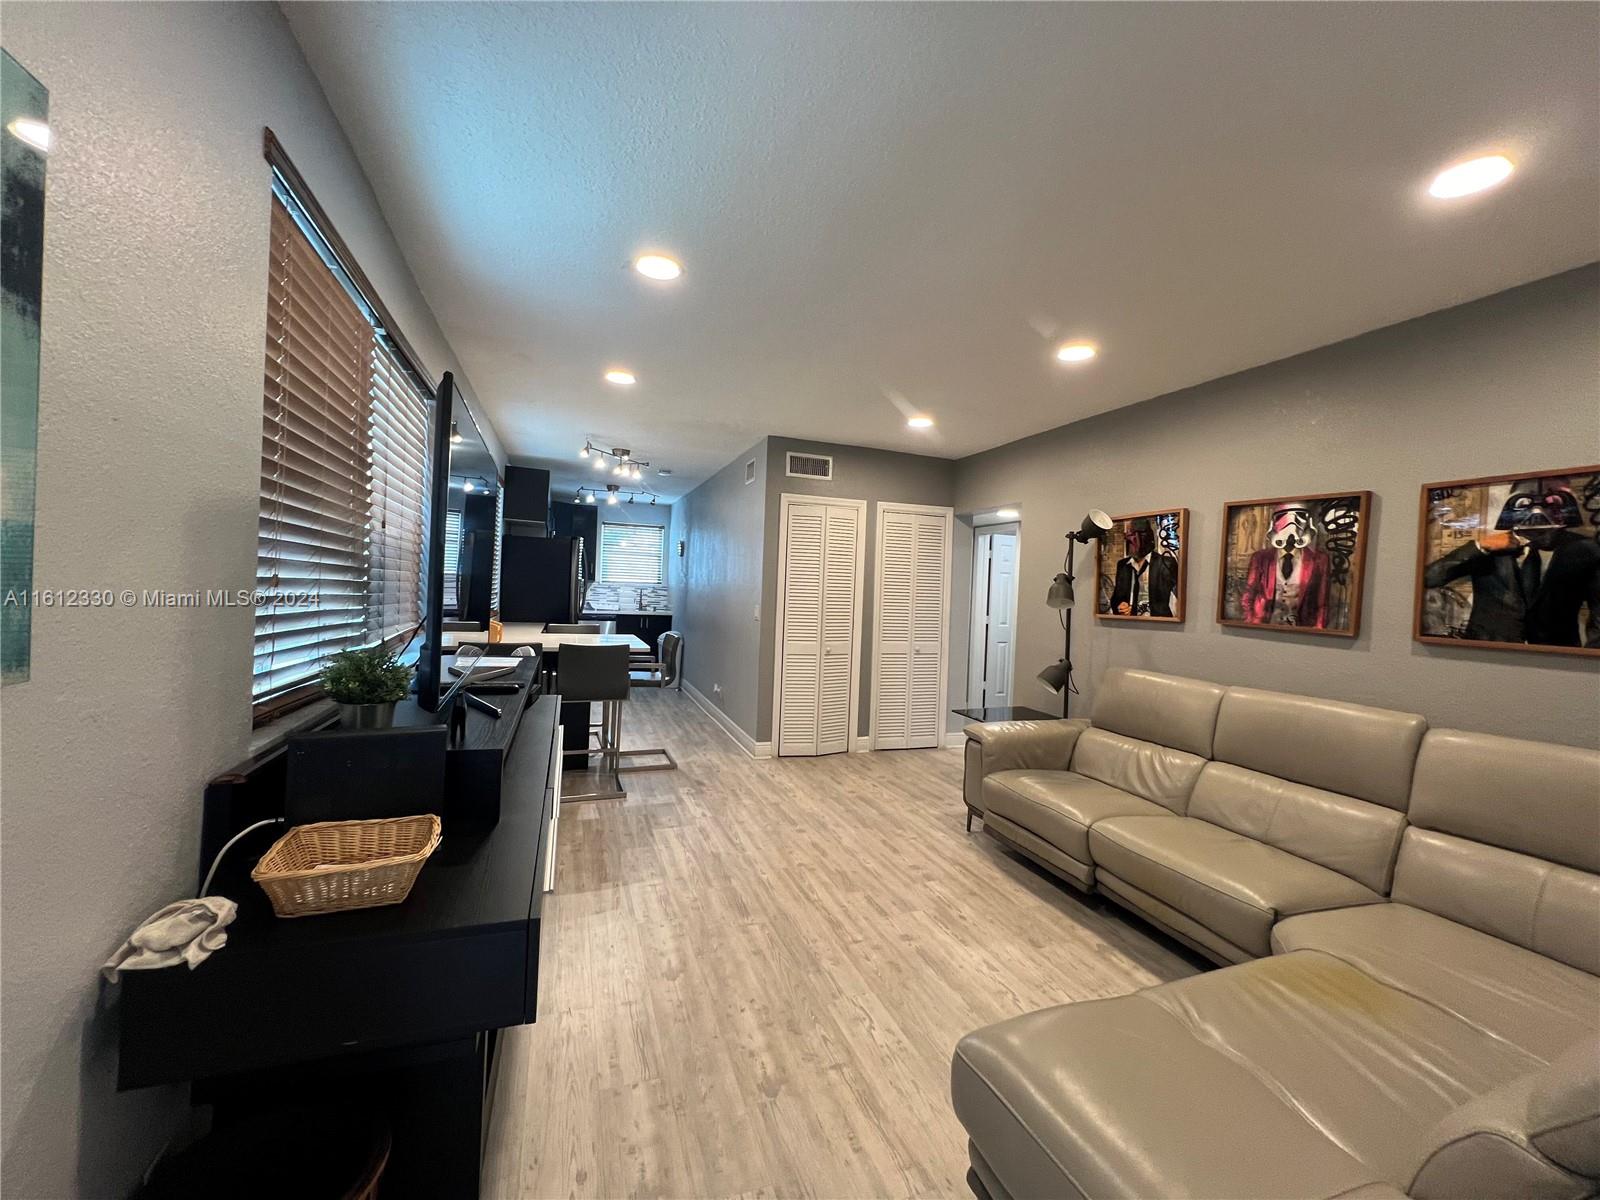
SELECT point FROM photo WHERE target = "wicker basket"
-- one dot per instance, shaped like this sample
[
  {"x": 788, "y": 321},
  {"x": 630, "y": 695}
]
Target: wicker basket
[{"x": 333, "y": 866}]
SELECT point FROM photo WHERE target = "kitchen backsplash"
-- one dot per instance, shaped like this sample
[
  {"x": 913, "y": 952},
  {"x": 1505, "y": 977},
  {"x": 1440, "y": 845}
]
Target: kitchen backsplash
[{"x": 625, "y": 597}]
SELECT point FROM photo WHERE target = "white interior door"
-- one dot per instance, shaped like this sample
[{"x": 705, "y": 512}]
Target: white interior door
[
  {"x": 818, "y": 643},
  {"x": 911, "y": 626},
  {"x": 994, "y": 617}
]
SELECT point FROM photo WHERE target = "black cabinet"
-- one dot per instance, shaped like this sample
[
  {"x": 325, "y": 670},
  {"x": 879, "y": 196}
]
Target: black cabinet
[{"x": 527, "y": 495}]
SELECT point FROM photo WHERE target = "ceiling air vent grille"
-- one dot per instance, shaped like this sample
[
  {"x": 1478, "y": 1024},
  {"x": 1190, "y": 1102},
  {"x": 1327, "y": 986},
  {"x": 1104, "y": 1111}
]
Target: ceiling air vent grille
[{"x": 810, "y": 466}]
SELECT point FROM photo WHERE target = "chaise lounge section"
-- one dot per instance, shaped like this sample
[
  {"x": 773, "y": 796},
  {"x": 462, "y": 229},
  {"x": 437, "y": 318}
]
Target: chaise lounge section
[{"x": 1438, "y": 1036}]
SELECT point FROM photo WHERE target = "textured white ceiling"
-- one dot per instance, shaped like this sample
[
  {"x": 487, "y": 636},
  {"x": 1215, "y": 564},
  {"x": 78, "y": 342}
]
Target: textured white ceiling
[{"x": 887, "y": 207}]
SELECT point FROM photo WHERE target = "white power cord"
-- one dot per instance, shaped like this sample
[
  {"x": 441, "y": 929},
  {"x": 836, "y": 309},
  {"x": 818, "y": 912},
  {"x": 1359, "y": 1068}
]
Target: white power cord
[{"x": 228, "y": 845}]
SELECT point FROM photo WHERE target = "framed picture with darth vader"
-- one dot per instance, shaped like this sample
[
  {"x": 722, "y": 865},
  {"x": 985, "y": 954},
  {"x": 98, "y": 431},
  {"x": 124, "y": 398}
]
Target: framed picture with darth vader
[{"x": 1511, "y": 562}]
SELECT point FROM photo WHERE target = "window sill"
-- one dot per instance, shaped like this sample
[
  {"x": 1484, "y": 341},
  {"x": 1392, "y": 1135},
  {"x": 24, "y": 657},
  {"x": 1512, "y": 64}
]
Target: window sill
[{"x": 268, "y": 737}]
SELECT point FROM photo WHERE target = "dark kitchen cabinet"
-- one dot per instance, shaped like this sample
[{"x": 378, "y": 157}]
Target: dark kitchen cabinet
[{"x": 527, "y": 498}]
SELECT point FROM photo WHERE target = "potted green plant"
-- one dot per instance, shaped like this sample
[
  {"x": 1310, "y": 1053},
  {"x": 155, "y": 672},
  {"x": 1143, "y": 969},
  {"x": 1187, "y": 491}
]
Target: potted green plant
[{"x": 366, "y": 684}]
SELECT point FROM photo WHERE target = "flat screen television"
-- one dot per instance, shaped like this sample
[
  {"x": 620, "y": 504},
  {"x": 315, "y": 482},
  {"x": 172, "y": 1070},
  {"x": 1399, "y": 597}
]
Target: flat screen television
[{"x": 429, "y": 666}]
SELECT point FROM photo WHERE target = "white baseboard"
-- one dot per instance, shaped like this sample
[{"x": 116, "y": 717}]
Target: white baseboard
[
  {"x": 728, "y": 726},
  {"x": 863, "y": 744}
]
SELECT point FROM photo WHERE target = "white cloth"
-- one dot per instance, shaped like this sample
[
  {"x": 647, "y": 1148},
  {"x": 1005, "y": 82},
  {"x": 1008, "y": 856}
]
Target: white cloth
[{"x": 188, "y": 931}]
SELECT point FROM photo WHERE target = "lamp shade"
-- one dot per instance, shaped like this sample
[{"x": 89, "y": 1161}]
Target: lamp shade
[
  {"x": 1060, "y": 592},
  {"x": 1095, "y": 525},
  {"x": 1056, "y": 675}
]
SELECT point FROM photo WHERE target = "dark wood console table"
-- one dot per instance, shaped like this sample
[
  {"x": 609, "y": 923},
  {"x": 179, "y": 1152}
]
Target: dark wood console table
[{"x": 397, "y": 1008}]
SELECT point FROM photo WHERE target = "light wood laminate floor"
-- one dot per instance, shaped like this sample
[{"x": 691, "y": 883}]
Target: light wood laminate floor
[{"x": 754, "y": 973}]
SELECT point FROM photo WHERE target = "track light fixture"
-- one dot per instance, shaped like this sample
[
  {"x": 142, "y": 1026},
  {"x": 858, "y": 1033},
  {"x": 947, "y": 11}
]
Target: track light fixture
[
  {"x": 619, "y": 458},
  {"x": 614, "y": 493}
]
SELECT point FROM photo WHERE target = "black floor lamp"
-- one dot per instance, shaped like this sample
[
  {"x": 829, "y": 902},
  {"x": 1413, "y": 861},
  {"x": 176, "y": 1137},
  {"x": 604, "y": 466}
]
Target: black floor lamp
[{"x": 1058, "y": 675}]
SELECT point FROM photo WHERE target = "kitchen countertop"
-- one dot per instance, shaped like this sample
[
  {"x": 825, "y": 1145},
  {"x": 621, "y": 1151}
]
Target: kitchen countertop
[{"x": 627, "y": 612}]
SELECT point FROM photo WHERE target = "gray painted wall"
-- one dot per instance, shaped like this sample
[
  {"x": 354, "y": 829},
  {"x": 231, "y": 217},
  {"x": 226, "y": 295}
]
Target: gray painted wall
[
  {"x": 718, "y": 584},
  {"x": 876, "y": 476},
  {"x": 155, "y": 281},
  {"x": 1506, "y": 384}
]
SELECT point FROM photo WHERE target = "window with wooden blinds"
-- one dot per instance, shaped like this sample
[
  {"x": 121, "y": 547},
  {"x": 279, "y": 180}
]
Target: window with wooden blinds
[
  {"x": 312, "y": 556},
  {"x": 342, "y": 530},
  {"x": 399, "y": 441}
]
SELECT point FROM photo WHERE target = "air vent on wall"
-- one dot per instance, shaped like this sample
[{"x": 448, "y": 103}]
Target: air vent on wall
[
  {"x": 809, "y": 466},
  {"x": 750, "y": 471}
]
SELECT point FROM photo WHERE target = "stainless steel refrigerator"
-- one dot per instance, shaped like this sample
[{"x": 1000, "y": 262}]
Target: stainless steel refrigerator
[{"x": 541, "y": 579}]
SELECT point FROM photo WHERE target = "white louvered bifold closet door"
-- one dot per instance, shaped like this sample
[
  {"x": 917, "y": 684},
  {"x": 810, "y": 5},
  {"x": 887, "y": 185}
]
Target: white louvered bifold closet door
[
  {"x": 912, "y": 618},
  {"x": 820, "y": 583}
]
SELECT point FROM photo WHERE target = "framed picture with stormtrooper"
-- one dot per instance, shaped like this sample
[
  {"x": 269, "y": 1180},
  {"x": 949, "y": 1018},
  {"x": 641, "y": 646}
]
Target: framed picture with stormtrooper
[
  {"x": 1294, "y": 564},
  {"x": 1511, "y": 562},
  {"x": 1142, "y": 567}
]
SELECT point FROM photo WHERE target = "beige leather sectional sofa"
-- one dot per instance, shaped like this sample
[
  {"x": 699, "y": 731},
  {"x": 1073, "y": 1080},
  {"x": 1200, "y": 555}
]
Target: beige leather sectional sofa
[{"x": 1413, "y": 919}]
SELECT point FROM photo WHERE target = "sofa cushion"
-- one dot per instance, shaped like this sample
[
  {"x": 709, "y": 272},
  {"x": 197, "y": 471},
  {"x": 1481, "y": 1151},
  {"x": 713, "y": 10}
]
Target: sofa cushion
[
  {"x": 1372, "y": 1067},
  {"x": 1339, "y": 832},
  {"x": 1166, "y": 709},
  {"x": 1506, "y": 838},
  {"x": 1363, "y": 752},
  {"x": 1509, "y": 994},
  {"x": 1059, "y": 806},
  {"x": 1123, "y": 1098},
  {"x": 1297, "y": 1075},
  {"x": 1233, "y": 885},
  {"x": 1550, "y": 909},
  {"x": 1158, "y": 773},
  {"x": 1532, "y": 797}
]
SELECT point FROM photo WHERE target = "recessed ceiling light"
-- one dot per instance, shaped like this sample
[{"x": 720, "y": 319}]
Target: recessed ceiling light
[
  {"x": 1007, "y": 514},
  {"x": 1474, "y": 175},
  {"x": 920, "y": 422},
  {"x": 34, "y": 133},
  {"x": 621, "y": 377},
  {"x": 657, "y": 266},
  {"x": 1076, "y": 352}
]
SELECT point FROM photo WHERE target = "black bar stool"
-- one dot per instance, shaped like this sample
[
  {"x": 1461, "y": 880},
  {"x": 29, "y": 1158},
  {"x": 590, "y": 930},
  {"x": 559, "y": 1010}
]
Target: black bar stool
[
  {"x": 590, "y": 674},
  {"x": 662, "y": 672}
]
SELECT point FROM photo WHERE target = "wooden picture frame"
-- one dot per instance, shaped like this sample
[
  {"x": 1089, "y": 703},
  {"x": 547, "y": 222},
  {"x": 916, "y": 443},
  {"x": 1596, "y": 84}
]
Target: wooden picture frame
[
  {"x": 1330, "y": 570},
  {"x": 1169, "y": 527},
  {"x": 1446, "y": 613}
]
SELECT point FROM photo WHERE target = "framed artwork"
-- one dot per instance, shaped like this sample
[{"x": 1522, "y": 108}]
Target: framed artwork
[
  {"x": 1294, "y": 563},
  {"x": 1511, "y": 561},
  {"x": 1141, "y": 567},
  {"x": 24, "y": 139}
]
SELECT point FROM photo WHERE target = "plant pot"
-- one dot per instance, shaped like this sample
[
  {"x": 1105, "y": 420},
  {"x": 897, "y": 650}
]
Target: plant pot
[{"x": 367, "y": 716}]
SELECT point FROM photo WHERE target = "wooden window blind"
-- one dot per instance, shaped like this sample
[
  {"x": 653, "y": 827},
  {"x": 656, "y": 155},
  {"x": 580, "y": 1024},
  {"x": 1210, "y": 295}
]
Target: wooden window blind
[
  {"x": 316, "y": 493},
  {"x": 499, "y": 537},
  {"x": 630, "y": 553},
  {"x": 399, "y": 439},
  {"x": 452, "y": 559}
]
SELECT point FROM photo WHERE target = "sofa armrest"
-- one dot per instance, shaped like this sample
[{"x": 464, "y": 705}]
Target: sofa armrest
[{"x": 1016, "y": 745}]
